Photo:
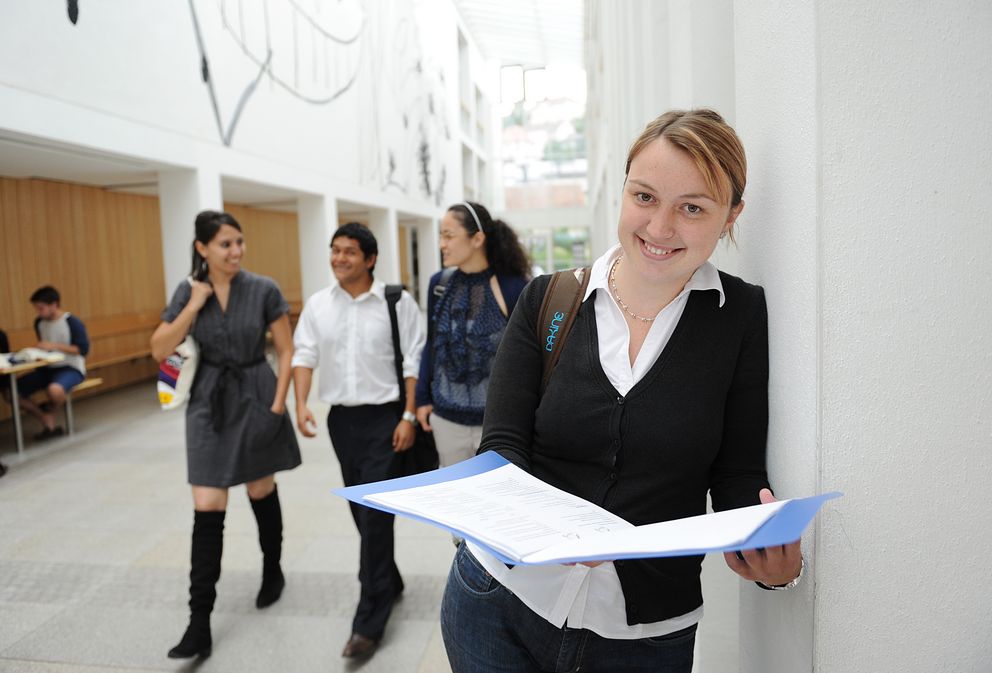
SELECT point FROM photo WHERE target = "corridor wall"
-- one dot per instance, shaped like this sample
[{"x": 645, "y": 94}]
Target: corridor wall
[
  {"x": 864, "y": 221},
  {"x": 868, "y": 136}
]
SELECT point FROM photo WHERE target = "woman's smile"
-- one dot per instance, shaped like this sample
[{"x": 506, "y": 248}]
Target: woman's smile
[{"x": 655, "y": 251}]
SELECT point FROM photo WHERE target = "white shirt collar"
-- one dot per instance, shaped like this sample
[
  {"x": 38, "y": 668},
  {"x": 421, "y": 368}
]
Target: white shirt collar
[
  {"x": 706, "y": 277},
  {"x": 378, "y": 289}
]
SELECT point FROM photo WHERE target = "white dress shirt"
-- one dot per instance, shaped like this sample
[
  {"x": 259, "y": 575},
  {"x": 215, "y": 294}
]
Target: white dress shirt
[
  {"x": 351, "y": 339},
  {"x": 580, "y": 596}
]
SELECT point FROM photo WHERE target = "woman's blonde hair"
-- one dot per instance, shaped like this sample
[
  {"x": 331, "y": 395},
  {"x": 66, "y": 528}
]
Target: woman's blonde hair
[{"x": 710, "y": 141}]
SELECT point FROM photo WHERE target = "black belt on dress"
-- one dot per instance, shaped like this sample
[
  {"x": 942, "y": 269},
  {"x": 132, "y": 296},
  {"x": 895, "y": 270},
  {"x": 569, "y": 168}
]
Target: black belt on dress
[{"x": 228, "y": 369}]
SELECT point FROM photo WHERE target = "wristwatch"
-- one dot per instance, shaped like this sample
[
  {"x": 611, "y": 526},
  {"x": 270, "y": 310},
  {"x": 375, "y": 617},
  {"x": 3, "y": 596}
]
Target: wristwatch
[
  {"x": 409, "y": 417},
  {"x": 788, "y": 585}
]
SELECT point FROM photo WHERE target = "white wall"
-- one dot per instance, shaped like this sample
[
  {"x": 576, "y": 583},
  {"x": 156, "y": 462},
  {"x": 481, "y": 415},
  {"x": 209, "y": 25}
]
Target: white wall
[
  {"x": 868, "y": 143},
  {"x": 906, "y": 338},
  {"x": 870, "y": 121},
  {"x": 777, "y": 235}
]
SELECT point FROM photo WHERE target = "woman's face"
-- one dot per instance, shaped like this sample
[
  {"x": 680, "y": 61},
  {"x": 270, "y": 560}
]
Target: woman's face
[
  {"x": 669, "y": 221},
  {"x": 457, "y": 245},
  {"x": 224, "y": 251}
]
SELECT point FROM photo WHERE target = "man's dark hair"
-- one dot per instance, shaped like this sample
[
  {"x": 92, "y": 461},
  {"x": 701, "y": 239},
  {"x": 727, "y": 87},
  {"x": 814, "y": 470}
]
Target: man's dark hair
[
  {"x": 362, "y": 234},
  {"x": 46, "y": 295}
]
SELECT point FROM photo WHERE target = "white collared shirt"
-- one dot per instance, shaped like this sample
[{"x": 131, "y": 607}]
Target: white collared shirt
[
  {"x": 580, "y": 596},
  {"x": 351, "y": 339}
]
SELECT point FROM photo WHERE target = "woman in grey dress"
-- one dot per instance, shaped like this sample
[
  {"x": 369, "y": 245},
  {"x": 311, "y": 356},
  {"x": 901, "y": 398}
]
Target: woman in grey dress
[{"x": 237, "y": 428}]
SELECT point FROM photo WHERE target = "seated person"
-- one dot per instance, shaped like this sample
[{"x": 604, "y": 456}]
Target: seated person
[{"x": 57, "y": 330}]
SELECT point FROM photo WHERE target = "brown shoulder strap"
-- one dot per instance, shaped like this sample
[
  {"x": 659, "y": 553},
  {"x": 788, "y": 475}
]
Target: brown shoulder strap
[{"x": 558, "y": 310}]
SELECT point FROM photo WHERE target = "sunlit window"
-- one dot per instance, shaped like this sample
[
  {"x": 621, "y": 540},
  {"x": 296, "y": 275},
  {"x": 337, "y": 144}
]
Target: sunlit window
[{"x": 544, "y": 159}]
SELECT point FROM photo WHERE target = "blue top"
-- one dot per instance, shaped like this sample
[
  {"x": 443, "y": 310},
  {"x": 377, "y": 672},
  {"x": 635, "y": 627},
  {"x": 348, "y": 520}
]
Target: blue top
[{"x": 465, "y": 328}]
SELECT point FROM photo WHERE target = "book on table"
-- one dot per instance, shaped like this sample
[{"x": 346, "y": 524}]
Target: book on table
[
  {"x": 523, "y": 520},
  {"x": 32, "y": 354}
]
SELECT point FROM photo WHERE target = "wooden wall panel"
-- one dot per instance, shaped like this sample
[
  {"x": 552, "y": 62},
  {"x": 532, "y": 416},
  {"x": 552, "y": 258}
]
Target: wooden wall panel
[
  {"x": 103, "y": 252},
  {"x": 272, "y": 240},
  {"x": 406, "y": 269}
]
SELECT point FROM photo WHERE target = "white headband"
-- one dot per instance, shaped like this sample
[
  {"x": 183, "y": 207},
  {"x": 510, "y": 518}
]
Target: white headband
[{"x": 474, "y": 216}]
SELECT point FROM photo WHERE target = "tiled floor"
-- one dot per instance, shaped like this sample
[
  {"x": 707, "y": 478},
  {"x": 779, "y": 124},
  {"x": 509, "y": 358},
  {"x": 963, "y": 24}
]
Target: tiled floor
[{"x": 94, "y": 553}]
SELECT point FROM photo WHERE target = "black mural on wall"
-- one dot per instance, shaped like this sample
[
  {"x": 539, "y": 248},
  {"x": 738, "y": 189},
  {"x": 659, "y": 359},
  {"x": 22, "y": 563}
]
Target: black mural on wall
[
  {"x": 405, "y": 126},
  {"x": 311, "y": 63},
  {"x": 296, "y": 51}
]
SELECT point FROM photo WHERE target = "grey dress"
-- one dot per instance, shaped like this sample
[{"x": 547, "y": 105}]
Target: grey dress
[{"x": 232, "y": 436}]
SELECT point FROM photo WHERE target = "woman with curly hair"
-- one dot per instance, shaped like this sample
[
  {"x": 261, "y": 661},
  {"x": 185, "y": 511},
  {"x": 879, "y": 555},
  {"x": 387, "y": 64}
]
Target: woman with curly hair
[{"x": 469, "y": 305}]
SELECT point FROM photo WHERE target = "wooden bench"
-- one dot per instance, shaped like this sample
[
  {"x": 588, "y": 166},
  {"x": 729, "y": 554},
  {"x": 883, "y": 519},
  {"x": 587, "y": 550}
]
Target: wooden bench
[{"x": 85, "y": 385}]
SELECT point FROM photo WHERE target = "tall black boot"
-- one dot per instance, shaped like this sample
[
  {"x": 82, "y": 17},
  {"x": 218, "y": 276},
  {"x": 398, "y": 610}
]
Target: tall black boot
[
  {"x": 268, "y": 514},
  {"x": 204, "y": 571}
]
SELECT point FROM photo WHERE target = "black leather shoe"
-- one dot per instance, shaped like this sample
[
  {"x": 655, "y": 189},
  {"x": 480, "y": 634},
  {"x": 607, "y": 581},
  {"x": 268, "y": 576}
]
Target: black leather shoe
[
  {"x": 57, "y": 431},
  {"x": 359, "y": 646}
]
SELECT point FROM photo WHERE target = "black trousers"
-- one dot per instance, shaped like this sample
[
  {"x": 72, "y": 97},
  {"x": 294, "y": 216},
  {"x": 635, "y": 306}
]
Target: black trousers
[{"x": 363, "y": 441}]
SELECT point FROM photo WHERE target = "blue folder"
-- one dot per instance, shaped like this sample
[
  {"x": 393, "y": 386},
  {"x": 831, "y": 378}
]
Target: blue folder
[{"x": 786, "y": 525}]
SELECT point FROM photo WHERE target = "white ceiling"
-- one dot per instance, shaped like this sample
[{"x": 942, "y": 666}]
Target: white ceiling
[
  {"x": 23, "y": 157},
  {"x": 531, "y": 33}
]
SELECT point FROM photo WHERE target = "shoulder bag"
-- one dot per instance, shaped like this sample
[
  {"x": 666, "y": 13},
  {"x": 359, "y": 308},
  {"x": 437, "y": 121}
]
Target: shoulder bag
[
  {"x": 177, "y": 371},
  {"x": 422, "y": 456},
  {"x": 561, "y": 304}
]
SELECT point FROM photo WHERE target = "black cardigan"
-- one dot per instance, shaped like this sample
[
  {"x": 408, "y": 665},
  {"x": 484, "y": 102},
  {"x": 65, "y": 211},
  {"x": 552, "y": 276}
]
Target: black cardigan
[{"x": 696, "y": 421}]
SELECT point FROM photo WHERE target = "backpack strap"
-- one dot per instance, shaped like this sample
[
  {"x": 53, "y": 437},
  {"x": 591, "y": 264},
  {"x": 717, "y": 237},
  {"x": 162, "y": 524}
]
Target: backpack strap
[
  {"x": 393, "y": 294},
  {"x": 442, "y": 282},
  {"x": 558, "y": 310}
]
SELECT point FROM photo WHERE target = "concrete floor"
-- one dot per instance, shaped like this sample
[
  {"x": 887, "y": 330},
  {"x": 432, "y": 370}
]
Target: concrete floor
[{"x": 94, "y": 554}]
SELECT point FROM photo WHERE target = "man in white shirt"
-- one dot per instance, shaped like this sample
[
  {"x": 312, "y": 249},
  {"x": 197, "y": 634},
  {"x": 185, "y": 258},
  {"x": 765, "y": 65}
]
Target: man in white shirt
[{"x": 346, "y": 329}]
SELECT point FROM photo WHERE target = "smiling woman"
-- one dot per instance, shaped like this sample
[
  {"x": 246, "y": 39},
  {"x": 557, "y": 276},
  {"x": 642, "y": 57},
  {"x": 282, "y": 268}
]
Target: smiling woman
[
  {"x": 237, "y": 428},
  {"x": 682, "y": 195},
  {"x": 664, "y": 382}
]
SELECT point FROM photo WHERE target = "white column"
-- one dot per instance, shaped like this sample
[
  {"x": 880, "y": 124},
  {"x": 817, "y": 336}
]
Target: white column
[
  {"x": 383, "y": 223},
  {"x": 318, "y": 220},
  {"x": 867, "y": 227},
  {"x": 777, "y": 235},
  {"x": 181, "y": 195},
  {"x": 701, "y": 55},
  {"x": 428, "y": 254},
  {"x": 905, "y": 336}
]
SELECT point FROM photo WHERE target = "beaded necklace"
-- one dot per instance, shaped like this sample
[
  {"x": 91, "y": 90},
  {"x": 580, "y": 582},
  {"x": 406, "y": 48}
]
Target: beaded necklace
[{"x": 616, "y": 294}]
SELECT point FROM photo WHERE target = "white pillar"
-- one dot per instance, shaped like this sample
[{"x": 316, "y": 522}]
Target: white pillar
[
  {"x": 383, "y": 223},
  {"x": 317, "y": 216},
  {"x": 181, "y": 195},
  {"x": 428, "y": 254},
  {"x": 701, "y": 55},
  {"x": 866, "y": 224},
  {"x": 777, "y": 234}
]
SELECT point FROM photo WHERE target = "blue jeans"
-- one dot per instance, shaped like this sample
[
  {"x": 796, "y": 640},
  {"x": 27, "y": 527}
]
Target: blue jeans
[
  {"x": 487, "y": 629},
  {"x": 39, "y": 379}
]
